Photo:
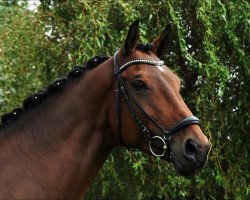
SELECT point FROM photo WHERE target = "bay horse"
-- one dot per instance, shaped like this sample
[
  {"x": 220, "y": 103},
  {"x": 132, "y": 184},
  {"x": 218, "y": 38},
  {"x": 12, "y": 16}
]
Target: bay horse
[{"x": 54, "y": 146}]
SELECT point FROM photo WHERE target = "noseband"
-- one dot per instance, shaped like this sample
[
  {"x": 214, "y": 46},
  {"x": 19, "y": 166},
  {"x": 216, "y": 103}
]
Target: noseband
[{"x": 129, "y": 98}]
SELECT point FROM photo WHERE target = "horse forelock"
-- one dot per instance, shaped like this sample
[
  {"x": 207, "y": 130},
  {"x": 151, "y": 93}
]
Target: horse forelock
[
  {"x": 144, "y": 47},
  {"x": 58, "y": 85}
]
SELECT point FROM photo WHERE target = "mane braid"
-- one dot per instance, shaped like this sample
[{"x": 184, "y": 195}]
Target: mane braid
[{"x": 35, "y": 99}]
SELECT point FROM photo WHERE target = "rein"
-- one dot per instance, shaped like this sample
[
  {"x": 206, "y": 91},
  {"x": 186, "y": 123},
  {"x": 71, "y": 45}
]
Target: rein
[{"x": 129, "y": 98}]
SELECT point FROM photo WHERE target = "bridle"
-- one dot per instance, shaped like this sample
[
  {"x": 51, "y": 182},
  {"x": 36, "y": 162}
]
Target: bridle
[{"x": 129, "y": 98}]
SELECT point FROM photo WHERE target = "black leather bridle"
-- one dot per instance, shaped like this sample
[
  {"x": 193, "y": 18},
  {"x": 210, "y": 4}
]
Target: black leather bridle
[{"x": 129, "y": 98}]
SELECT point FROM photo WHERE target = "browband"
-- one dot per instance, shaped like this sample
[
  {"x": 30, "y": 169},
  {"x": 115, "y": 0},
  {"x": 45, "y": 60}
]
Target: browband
[{"x": 118, "y": 70}]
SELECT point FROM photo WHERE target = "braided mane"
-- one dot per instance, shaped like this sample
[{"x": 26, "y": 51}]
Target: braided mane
[{"x": 35, "y": 99}]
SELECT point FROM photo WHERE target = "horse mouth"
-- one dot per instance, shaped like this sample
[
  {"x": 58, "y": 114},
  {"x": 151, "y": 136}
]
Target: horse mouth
[{"x": 180, "y": 169}]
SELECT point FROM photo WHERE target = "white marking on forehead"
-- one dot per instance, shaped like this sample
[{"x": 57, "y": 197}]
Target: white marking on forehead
[{"x": 161, "y": 68}]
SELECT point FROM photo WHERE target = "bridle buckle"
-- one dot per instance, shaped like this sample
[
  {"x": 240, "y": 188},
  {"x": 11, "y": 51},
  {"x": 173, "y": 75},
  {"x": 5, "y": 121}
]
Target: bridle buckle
[{"x": 166, "y": 135}]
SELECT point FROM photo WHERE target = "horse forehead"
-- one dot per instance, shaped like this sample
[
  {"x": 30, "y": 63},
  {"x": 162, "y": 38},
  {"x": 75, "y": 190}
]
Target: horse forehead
[
  {"x": 161, "y": 68},
  {"x": 168, "y": 75},
  {"x": 166, "y": 72},
  {"x": 161, "y": 71},
  {"x": 145, "y": 55}
]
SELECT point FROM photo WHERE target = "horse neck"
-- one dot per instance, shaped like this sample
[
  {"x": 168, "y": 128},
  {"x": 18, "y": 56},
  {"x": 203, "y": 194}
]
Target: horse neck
[{"x": 66, "y": 139}]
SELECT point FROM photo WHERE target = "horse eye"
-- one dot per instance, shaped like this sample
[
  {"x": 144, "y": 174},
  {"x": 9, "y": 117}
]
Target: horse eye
[{"x": 139, "y": 85}]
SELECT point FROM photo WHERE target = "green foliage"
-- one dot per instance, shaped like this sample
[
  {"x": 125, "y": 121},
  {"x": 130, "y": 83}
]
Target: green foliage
[{"x": 210, "y": 51}]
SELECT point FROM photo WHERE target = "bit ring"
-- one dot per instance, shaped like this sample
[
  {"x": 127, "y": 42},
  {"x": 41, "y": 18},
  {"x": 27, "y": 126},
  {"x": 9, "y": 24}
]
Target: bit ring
[{"x": 164, "y": 146}]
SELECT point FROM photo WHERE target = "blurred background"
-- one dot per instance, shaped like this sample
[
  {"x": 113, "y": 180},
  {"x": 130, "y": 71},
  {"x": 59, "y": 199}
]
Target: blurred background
[{"x": 210, "y": 51}]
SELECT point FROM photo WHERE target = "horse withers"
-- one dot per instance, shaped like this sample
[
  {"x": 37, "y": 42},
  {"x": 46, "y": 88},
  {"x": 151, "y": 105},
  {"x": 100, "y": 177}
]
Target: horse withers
[{"x": 54, "y": 146}]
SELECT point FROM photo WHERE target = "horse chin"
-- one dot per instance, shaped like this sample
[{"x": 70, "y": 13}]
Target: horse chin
[{"x": 180, "y": 168}]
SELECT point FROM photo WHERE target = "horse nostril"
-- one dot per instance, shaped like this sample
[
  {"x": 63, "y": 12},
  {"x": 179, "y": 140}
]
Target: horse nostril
[{"x": 191, "y": 149}]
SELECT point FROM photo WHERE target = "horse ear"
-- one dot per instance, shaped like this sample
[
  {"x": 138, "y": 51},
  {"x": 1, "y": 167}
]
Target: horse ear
[
  {"x": 162, "y": 42},
  {"x": 132, "y": 38}
]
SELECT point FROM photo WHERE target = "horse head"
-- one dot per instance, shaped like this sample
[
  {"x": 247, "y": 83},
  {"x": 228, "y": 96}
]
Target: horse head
[{"x": 150, "y": 112}]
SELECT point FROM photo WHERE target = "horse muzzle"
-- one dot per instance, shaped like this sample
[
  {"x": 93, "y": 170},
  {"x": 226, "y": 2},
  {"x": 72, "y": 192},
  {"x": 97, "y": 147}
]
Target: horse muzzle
[{"x": 192, "y": 158}]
